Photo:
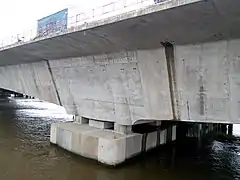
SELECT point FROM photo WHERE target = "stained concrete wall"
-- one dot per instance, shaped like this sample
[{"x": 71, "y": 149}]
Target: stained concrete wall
[
  {"x": 208, "y": 80},
  {"x": 31, "y": 79},
  {"x": 124, "y": 87},
  {"x": 132, "y": 86},
  {"x": 120, "y": 87}
]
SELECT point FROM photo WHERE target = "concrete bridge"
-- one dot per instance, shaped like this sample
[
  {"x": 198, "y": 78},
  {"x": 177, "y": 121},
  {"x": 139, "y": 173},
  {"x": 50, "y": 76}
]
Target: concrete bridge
[{"x": 173, "y": 61}]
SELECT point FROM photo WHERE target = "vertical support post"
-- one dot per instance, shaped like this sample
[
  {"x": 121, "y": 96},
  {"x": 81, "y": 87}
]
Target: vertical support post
[
  {"x": 169, "y": 134},
  {"x": 224, "y": 128},
  {"x": 80, "y": 119},
  {"x": 217, "y": 128},
  {"x": 182, "y": 131},
  {"x": 230, "y": 129},
  {"x": 122, "y": 129},
  {"x": 220, "y": 128},
  {"x": 199, "y": 133}
]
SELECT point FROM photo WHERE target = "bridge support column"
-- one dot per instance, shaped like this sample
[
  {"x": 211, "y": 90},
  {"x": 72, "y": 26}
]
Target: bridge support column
[
  {"x": 101, "y": 124},
  {"x": 223, "y": 128},
  {"x": 230, "y": 129},
  {"x": 122, "y": 128},
  {"x": 198, "y": 130},
  {"x": 110, "y": 147},
  {"x": 81, "y": 120}
]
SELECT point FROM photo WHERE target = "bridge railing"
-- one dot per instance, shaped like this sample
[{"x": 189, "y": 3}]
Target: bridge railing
[{"x": 79, "y": 18}]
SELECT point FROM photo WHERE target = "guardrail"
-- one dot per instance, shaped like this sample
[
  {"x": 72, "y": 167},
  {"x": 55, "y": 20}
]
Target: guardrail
[{"x": 105, "y": 11}]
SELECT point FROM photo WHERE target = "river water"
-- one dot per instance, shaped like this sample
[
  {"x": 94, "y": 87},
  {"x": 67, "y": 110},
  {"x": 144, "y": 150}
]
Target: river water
[{"x": 26, "y": 154}]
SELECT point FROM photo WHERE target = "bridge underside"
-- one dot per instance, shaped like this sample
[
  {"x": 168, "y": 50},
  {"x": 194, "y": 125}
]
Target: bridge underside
[
  {"x": 185, "y": 82},
  {"x": 125, "y": 72},
  {"x": 197, "y": 22}
]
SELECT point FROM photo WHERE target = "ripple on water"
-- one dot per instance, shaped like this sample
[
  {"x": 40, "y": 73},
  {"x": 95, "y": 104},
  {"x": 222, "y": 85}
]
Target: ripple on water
[{"x": 26, "y": 153}]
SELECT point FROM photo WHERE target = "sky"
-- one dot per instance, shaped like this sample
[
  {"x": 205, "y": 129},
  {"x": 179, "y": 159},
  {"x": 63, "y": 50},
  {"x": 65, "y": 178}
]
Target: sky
[{"x": 18, "y": 15}]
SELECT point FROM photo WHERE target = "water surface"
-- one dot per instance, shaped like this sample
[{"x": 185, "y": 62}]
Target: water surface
[{"x": 26, "y": 154}]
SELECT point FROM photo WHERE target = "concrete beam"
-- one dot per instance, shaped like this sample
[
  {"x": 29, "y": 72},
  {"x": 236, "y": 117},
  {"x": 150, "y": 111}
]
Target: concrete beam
[
  {"x": 208, "y": 81},
  {"x": 210, "y": 20},
  {"x": 131, "y": 87}
]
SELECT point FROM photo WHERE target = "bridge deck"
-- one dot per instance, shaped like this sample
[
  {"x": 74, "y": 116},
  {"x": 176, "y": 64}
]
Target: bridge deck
[{"x": 194, "y": 22}]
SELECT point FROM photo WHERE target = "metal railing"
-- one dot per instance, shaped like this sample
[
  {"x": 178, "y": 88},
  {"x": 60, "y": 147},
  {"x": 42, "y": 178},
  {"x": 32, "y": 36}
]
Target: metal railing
[
  {"x": 107, "y": 10},
  {"x": 80, "y": 18}
]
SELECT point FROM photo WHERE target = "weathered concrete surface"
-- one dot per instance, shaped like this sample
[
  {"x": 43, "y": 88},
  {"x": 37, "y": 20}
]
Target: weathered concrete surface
[
  {"x": 121, "y": 87},
  {"x": 130, "y": 80},
  {"x": 133, "y": 86},
  {"x": 176, "y": 21},
  {"x": 105, "y": 146},
  {"x": 32, "y": 79},
  {"x": 208, "y": 81}
]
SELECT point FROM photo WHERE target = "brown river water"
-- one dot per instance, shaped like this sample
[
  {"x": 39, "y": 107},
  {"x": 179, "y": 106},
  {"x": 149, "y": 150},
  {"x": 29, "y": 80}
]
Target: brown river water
[{"x": 26, "y": 154}]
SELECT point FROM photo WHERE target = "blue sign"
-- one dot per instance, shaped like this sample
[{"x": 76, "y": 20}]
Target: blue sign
[{"x": 53, "y": 23}]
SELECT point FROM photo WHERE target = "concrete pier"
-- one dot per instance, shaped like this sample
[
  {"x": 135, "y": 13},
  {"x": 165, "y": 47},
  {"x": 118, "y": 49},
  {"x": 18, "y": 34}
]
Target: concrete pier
[
  {"x": 107, "y": 146},
  {"x": 230, "y": 129},
  {"x": 100, "y": 141},
  {"x": 197, "y": 130}
]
